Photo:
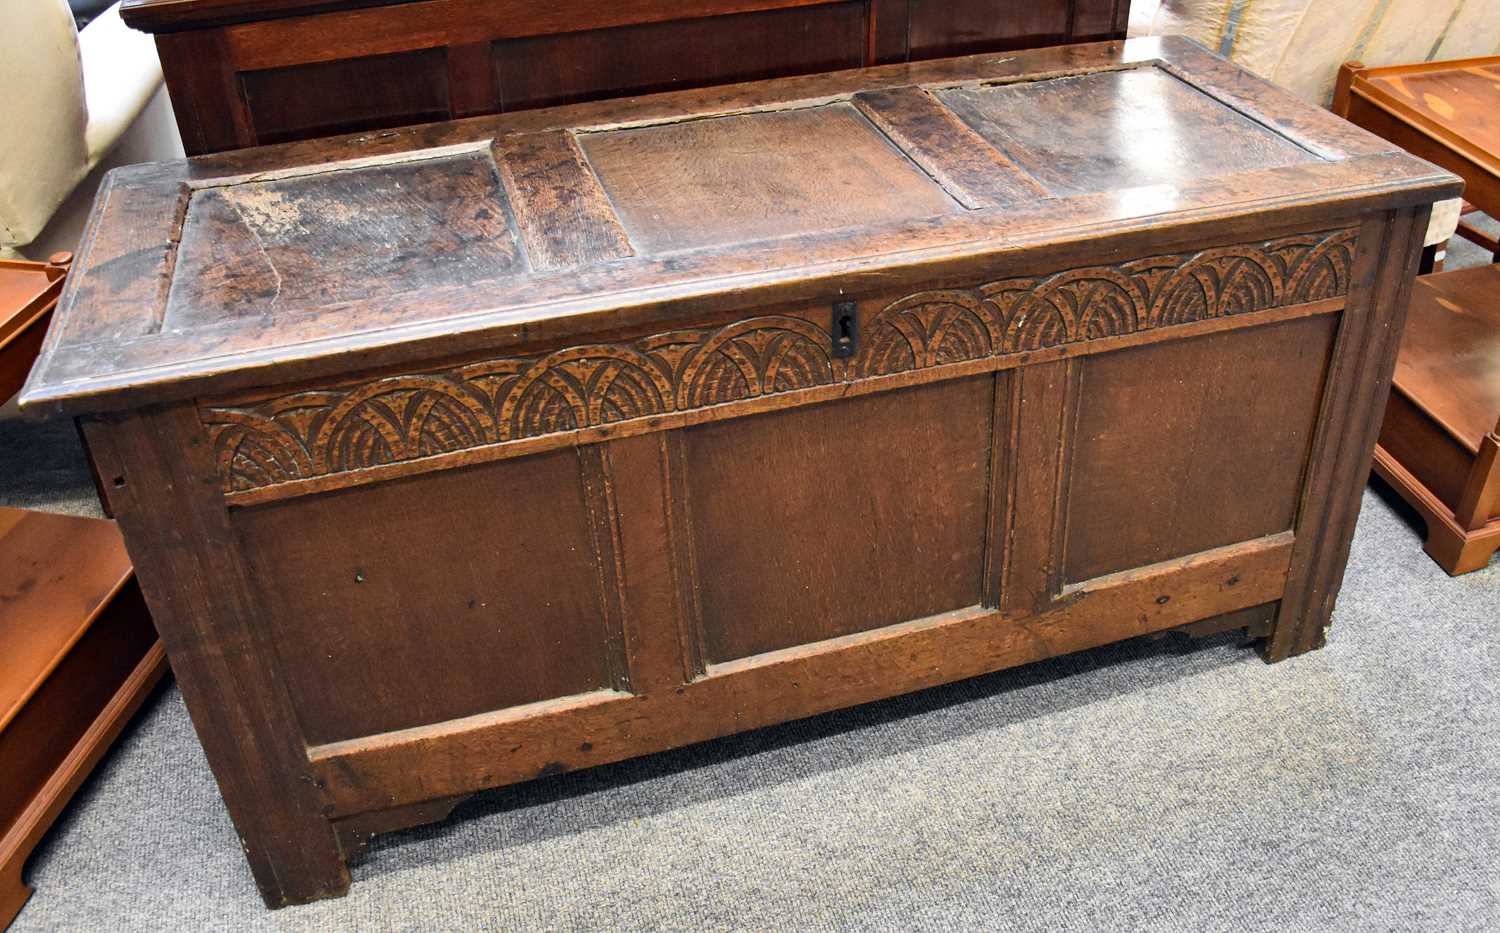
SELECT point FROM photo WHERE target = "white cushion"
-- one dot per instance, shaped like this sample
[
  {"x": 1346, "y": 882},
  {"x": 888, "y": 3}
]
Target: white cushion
[
  {"x": 120, "y": 73},
  {"x": 42, "y": 115},
  {"x": 1444, "y": 222},
  {"x": 1299, "y": 44}
]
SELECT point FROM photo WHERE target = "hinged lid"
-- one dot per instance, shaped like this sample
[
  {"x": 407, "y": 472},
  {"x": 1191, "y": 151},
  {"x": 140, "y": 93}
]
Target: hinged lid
[{"x": 322, "y": 257}]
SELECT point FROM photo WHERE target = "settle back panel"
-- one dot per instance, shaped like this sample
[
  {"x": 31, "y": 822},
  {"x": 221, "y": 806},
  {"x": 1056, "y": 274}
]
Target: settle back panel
[
  {"x": 243, "y": 72},
  {"x": 489, "y": 450}
]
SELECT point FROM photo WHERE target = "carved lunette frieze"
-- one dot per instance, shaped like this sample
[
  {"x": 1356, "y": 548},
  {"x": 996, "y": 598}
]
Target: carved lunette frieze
[{"x": 397, "y": 418}]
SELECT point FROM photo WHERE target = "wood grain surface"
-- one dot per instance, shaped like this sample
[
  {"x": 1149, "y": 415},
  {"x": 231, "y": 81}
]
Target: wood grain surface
[
  {"x": 239, "y": 70},
  {"x": 838, "y": 206},
  {"x": 1440, "y": 443},
  {"x": 569, "y": 435}
]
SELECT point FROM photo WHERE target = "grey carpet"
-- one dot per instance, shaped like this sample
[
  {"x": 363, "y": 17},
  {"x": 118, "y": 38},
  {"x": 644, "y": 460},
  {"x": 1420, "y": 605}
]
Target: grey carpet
[
  {"x": 1153, "y": 785},
  {"x": 1462, "y": 253},
  {"x": 43, "y": 466}
]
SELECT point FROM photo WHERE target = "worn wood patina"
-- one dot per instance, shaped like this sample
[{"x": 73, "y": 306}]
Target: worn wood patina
[{"x": 458, "y": 455}]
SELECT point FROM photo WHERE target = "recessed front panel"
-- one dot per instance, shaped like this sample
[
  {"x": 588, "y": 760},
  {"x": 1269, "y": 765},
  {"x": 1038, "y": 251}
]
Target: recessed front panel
[
  {"x": 1118, "y": 129},
  {"x": 329, "y": 97},
  {"x": 813, "y": 523},
  {"x": 1194, "y": 444},
  {"x": 432, "y": 598},
  {"x": 557, "y": 68},
  {"x": 755, "y": 176}
]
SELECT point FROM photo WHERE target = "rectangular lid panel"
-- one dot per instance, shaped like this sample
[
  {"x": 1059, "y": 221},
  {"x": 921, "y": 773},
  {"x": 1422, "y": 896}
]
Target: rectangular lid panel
[
  {"x": 265, "y": 249},
  {"x": 755, "y": 176},
  {"x": 1118, "y": 129},
  {"x": 307, "y": 260}
]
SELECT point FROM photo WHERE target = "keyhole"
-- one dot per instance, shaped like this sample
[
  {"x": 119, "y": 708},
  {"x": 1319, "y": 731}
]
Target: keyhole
[{"x": 845, "y": 329}]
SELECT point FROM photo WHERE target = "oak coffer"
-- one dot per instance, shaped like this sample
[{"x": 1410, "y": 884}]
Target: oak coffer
[{"x": 453, "y": 456}]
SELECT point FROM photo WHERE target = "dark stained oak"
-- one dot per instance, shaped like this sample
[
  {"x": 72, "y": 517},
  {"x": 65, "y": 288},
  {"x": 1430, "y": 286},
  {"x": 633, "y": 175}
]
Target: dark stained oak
[
  {"x": 562, "y": 215},
  {"x": 247, "y": 72},
  {"x": 805, "y": 171},
  {"x": 366, "y": 92},
  {"x": 474, "y": 452},
  {"x": 940, "y": 27},
  {"x": 1164, "y": 131},
  {"x": 544, "y": 70},
  {"x": 933, "y": 137}
]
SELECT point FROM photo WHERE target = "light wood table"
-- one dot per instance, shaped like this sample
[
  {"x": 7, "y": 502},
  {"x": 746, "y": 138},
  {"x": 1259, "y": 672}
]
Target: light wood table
[
  {"x": 78, "y": 653},
  {"x": 1446, "y": 112},
  {"x": 1439, "y": 439}
]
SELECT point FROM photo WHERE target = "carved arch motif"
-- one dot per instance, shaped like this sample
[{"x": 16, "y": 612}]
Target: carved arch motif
[{"x": 390, "y": 419}]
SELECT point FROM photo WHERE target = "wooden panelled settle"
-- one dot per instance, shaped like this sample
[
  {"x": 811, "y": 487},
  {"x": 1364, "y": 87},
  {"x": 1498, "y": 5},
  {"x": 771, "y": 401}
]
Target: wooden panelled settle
[
  {"x": 243, "y": 72},
  {"x": 474, "y": 452}
]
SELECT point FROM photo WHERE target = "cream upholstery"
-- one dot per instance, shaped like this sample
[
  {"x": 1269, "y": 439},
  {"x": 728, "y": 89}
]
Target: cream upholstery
[
  {"x": 74, "y": 103},
  {"x": 1300, "y": 44},
  {"x": 120, "y": 73},
  {"x": 43, "y": 121}
]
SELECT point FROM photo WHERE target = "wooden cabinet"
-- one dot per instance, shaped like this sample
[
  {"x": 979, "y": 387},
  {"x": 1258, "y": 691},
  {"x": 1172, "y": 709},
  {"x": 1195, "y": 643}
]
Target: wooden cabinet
[
  {"x": 1440, "y": 445},
  {"x": 243, "y": 72},
  {"x": 78, "y": 654},
  {"x": 475, "y": 452}
]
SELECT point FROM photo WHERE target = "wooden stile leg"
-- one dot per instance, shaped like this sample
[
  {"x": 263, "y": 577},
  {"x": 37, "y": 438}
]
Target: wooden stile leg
[
  {"x": 206, "y": 613},
  {"x": 1039, "y": 407},
  {"x": 1369, "y": 337}
]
